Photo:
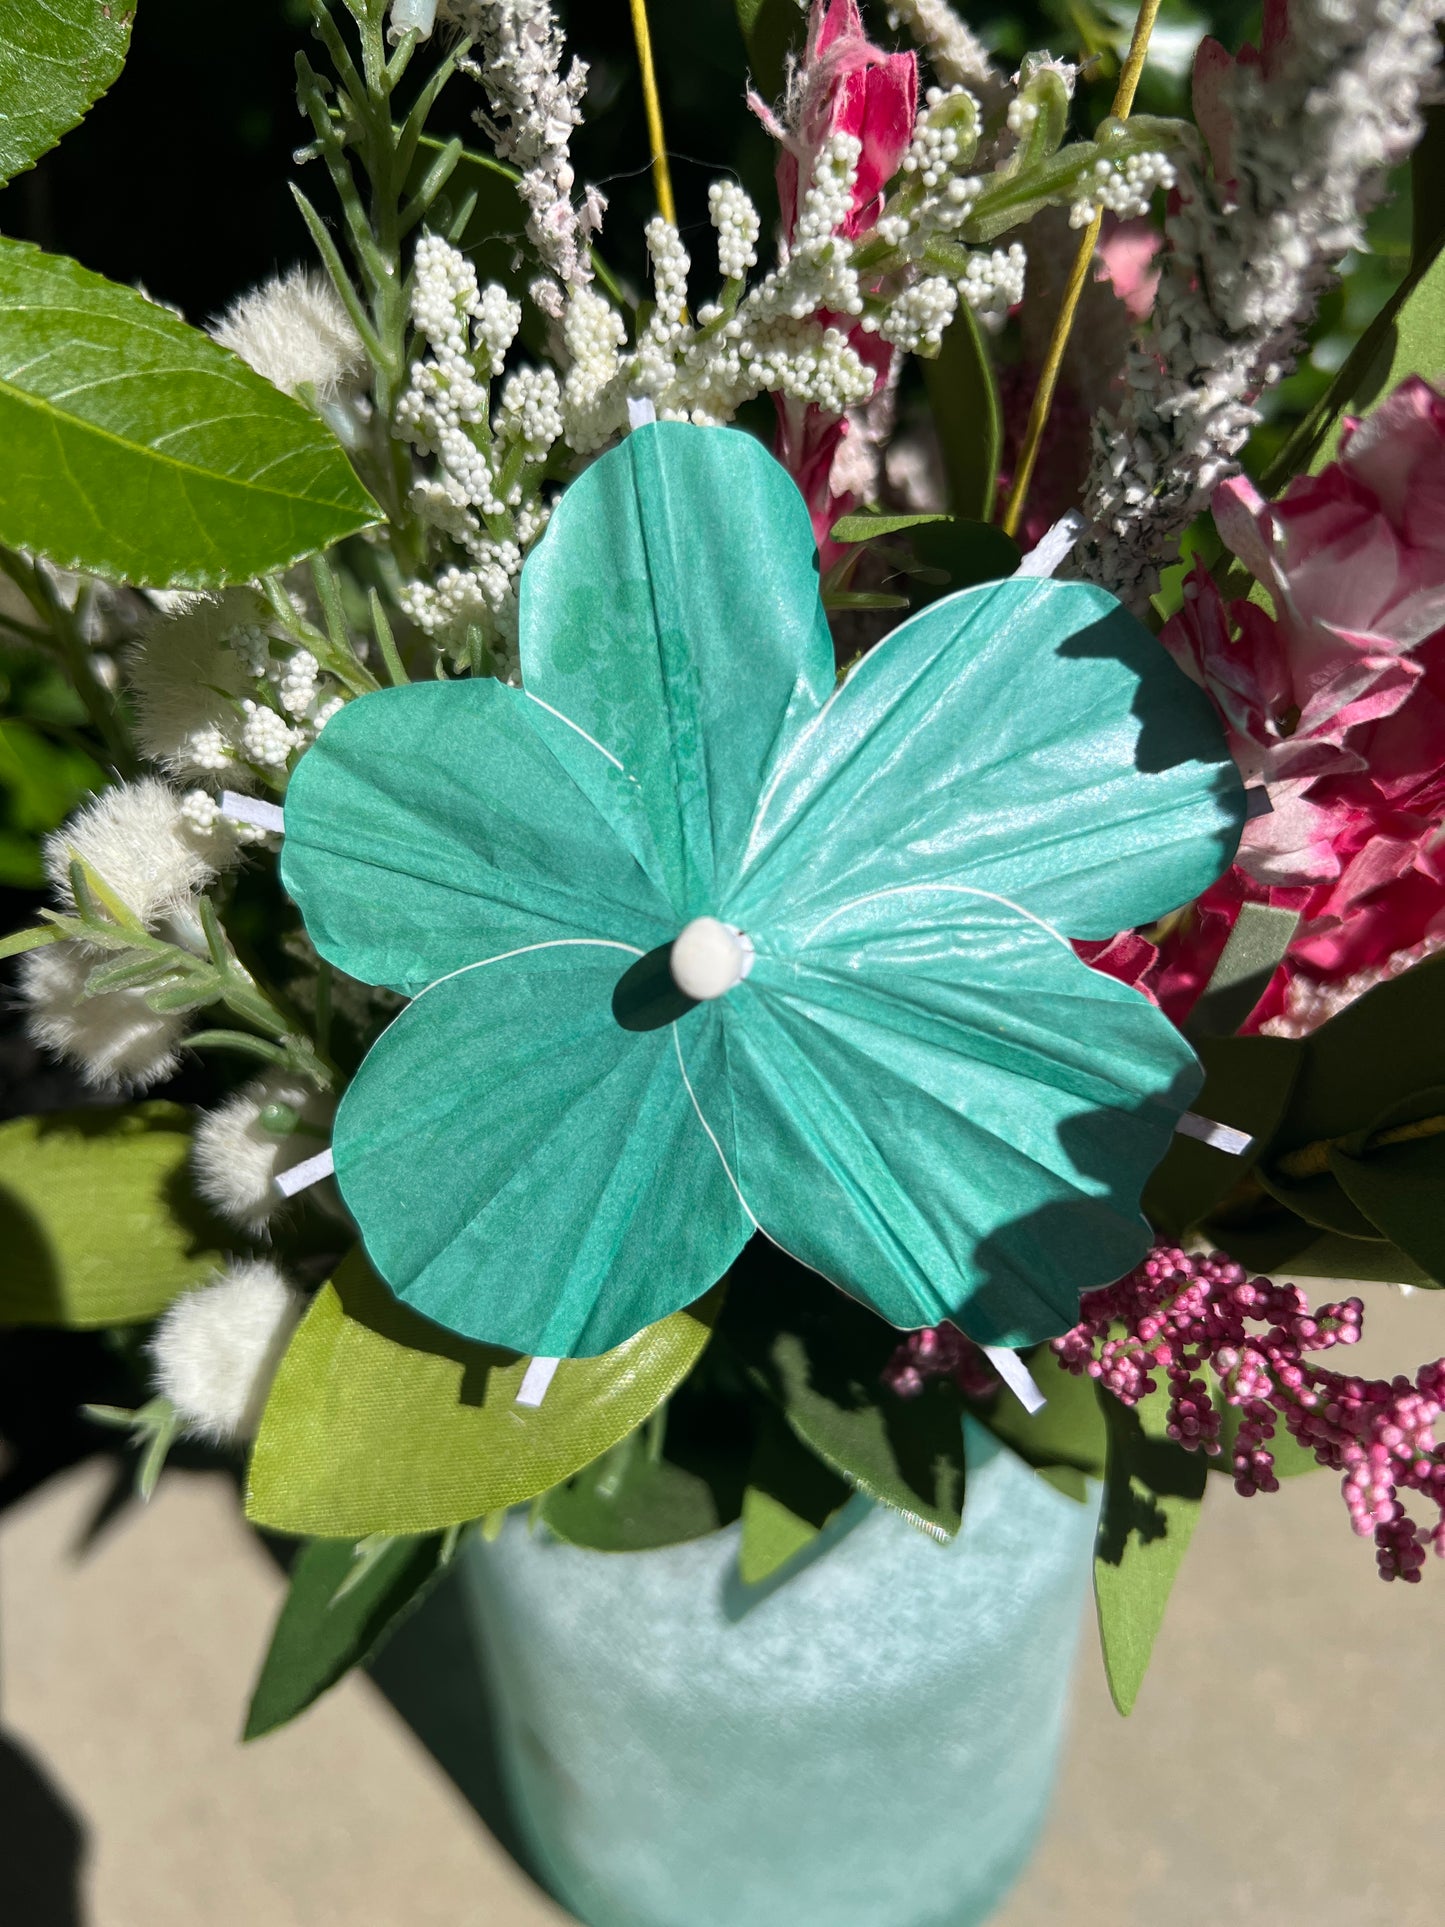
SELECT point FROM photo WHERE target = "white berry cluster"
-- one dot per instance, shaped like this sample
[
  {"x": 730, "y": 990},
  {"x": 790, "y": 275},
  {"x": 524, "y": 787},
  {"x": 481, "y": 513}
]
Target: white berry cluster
[
  {"x": 768, "y": 339},
  {"x": 1124, "y": 188},
  {"x": 482, "y": 495},
  {"x": 738, "y": 226}
]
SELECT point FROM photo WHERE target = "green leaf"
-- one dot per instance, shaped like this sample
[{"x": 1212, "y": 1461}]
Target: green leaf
[
  {"x": 819, "y": 1355},
  {"x": 35, "y": 938},
  {"x": 1247, "y": 1083},
  {"x": 138, "y": 449},
  {"x": 97, "y": 1217},
  {"x": 961, "y": 555},
  {"x": 43, "y": 780},
  {"x": 771, "y": 30},
  {"x": 1067, "y": 1432},
  {"x": 1269, "y": 1238},
  {"x": 1381, "y": 1057},
  {"x": 1400, "y": 1187},
  {"x": 380, "y": 1421},
  {"x": 327, "y": 1625},
  {"x": 869, "y": 523},
  {"x": 1251, "y": 955},
  {"x": 1152, "y": 1491},
  {"x": 791, "y": 1495},
  {"x": 55, "y": 63},
  {"x": 963, "y": 400},
  {"x": 631, "y": 1500}
]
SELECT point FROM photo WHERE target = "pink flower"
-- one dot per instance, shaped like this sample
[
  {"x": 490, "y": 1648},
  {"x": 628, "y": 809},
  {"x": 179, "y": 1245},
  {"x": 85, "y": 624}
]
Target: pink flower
[
  {"x": 844, "y": 85},
  {"x": 1128, "y": 259}
]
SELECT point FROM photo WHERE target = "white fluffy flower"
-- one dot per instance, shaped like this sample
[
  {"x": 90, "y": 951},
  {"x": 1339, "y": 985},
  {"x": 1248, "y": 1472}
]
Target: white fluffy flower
[
  {"x": 114, "y": 1039},
  {"x": 189, "y": 673},
  {"x": 294, "y": 330},
  {"x": 216, "y": 1349},
  {"x": 143, "y": 847},
  {"x": 243, "y": 1146}
]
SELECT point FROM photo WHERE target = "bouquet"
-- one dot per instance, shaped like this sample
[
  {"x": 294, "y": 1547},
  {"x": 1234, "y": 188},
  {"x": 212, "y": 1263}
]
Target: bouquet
[{"x": 745, "y": 862}]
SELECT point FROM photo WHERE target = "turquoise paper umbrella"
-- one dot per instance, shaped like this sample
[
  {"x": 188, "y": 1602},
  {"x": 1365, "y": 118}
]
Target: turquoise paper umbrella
[{"x": 699, "y": 942}]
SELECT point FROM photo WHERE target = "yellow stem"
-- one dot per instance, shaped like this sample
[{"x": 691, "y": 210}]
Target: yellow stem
[
  {"x": 1013, "y": 513},
  {"x": 1312, "y": 1160},
  {"x": 662, "y": 179}
]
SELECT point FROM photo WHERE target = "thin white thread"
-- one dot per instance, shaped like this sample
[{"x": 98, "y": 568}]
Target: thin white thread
[
  {"x": 552, "y": 943},
  {"x": 616, "y": 764},
  {"x": 302, "y": 1176},
  {"x": 535, "y": 1380},
  {"x": 722, "y": 1160},
  {"x": 956, "y": 889},
  {"x": 251, "y": 809}
]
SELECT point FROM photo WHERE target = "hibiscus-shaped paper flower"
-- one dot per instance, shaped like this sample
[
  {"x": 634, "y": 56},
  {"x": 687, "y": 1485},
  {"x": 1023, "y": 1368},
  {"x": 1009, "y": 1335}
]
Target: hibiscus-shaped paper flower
[{"x": 698, "y": 942}]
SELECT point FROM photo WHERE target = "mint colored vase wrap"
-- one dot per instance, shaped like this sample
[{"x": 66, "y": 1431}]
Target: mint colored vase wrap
[
  {"x": 870, "y": 1742},
  {"x": 917, "y": 1089}
]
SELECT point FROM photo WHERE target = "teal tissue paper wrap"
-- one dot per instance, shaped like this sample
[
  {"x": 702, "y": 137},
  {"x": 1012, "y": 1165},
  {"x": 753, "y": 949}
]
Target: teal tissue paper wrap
[
  {"x": 869, "y": 1741},
  {"x": 919, "y": 1089}
]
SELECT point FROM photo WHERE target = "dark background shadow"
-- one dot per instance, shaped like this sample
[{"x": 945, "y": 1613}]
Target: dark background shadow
[{"x": 42, "y": 1844}]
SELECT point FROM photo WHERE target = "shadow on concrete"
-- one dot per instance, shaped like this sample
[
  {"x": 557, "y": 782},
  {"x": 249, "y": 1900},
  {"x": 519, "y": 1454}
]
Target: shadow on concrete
[{"x": 42, "y": 1844}]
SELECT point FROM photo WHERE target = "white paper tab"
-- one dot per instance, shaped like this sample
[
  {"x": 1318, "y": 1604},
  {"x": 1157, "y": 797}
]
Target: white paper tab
[
  {"x": 1054, "y": 545},
  {"x": 1223, "y": 1137},
  {"x": 640, "y": 410},
  {"x": 535, "y": 1380},
  {"x": 251, "y": 809},
  {"x": 1015, "y": 1374},
  {"x": 302, "y": 1176}
]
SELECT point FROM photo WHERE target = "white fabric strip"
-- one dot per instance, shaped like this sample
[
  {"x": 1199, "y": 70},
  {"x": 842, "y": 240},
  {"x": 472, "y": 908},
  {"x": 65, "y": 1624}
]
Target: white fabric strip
[
  {"x": 1053, "y": 547},
  {"x": 535, "y": 1380},
  {"x": 302, "y": 1176},
  {"x": 640, "y": 411},
  {"x": 251, "y": 809},
  {"x": 1223, "y": 1137},
  {"x": 1015, "y": 1374}
]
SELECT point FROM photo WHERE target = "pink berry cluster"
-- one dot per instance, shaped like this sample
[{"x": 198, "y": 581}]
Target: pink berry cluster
[
  {"x": 1178, "y": 1315},
  {"x": 940, "y": 1351}
]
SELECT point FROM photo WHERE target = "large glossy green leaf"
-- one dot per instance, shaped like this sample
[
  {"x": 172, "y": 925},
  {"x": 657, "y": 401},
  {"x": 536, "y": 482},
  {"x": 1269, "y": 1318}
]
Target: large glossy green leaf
[
  {"x": 342, "y": 1603},
  {"x": 98, "y": 1222},
  {"x": 57, "y": 57},
  {"x": 1152, "y": 1491},
  {"x": 820, "y": 1357},
  {"x": 137, "y": 448},
  {"x": 963, "y": 401},
  {"x": 379, "y": 1421}
]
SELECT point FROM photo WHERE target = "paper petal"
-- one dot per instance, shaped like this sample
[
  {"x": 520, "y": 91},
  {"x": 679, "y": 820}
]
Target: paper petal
[
  {"x": 529, "y": 1173},
  {"x": 1028, "y": 737},
  {"x": 433, "y": 825},
  {"x": 949, "y": 1115},
  {"x": 671, "y": 611}
]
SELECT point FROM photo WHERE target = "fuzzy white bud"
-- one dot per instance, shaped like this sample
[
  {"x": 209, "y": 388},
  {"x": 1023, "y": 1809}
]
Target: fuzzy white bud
[
  {"x": 242, "y": 1147},
  {"x": 216, "y": 1349}
]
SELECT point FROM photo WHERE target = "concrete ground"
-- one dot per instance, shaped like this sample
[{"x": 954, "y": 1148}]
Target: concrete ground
[{"x": 1282, "y": 1766}]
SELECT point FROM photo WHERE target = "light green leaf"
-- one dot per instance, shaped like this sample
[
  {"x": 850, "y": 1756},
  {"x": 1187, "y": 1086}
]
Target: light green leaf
[
  {"x": 1067, "y": 1433},
  {"x": 632, "y": 1500},
  {"x": 963, "y": 400},
  {"x": 328, "y": 1624},
  {"x": 97, "y": 1218},
  {"x": 57, "y": 57},
  {"x": 869, "y": 523},
  {"x": 380, "y": 1421},
  {"x": 1152, "y": 1491},
  {"x": 791, "y": 1495},
  {"x": 138, "y": 449},
  {"x": 820, "y": 1356}
]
